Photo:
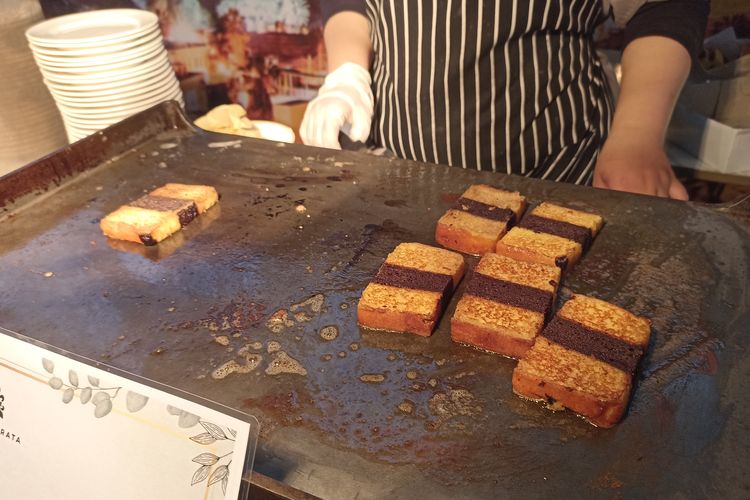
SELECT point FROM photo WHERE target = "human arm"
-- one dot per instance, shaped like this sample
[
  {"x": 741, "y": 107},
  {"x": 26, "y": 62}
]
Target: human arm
[
  {"x": 345, "y": 100},
  {"x": 655, "y": 64}
]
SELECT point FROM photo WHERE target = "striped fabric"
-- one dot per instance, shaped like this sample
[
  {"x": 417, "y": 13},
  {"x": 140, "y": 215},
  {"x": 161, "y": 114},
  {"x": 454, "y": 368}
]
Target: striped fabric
[{"x": 506, "y": 86}]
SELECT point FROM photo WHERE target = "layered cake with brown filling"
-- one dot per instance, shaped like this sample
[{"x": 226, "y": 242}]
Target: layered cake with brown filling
[
  {"x": 204, "y": 197},
  {"x": 551, "y": 235},
  {"x": 505, "y": 305},
  {"x": 479, "y": 218},
  {"x": 410, "y": 290},
  {"x": 154, "y": 217},
  {"x": 585, "y": 360}
]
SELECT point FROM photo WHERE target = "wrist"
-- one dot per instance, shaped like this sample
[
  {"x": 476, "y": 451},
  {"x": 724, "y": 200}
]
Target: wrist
[{"x": 644, "y": 135}]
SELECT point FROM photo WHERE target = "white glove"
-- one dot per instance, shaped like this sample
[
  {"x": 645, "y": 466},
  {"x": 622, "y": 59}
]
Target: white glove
[{"x": 344, "y": 103}]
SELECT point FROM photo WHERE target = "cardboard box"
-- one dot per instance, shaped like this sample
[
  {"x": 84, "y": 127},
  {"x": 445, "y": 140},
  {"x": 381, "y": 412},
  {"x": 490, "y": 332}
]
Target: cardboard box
[{"x": 712, "y": 119}]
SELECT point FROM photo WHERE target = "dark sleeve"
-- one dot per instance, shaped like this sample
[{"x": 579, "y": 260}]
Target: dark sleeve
[
  {"x": 330, "y": 7},
  {"x": 681, "y": 20}
]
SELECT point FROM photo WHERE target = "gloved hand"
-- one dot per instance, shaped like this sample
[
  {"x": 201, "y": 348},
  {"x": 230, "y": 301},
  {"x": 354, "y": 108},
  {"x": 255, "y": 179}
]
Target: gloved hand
[{"x": 344, "y": 104}]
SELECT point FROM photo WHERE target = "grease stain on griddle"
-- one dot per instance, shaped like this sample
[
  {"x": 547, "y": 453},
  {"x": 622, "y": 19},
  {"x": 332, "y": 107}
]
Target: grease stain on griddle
[
  {"x": 329, "y": 332},
  {"x": 279, "y": 320},
  {"x": 395, "y": 203},
  {"x": 273, "y": 346},
  {"x": 406, "y": 406},
  {"x": 283, "y": 363},
  {"x": 251, "y": 363},
  {"x": 315, "y": 303},
  {"x": 455, "y": 403},
  {"x": 372, "y": 378}
]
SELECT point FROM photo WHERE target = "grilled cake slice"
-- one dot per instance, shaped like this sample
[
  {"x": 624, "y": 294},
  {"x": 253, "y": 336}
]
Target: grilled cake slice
[
  {"x": 185, "y": 210},
  {"x": 479, "y": 218},
  {"x": 141, "y": 225},
  {"x": 204, "y": 197},
  {"x": 505, "y": 305},
  {"x": 551, "y": 234},
  {"x": 152, "y": 218},
  {"x": 410, "y": 290},
  {"x": 585, "y": 360}
]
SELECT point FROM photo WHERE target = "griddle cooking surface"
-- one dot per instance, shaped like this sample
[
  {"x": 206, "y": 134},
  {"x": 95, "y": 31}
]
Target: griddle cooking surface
[{"x": 280, "y": 264}]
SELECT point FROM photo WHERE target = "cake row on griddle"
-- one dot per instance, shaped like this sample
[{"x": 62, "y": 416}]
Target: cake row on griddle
[
  {"x": 486, "y": 219},
  {"x": 584, "y": 359}
]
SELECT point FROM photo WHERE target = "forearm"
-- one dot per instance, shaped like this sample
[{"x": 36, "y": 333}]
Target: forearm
[
  {"x": 347, "y": 39},
  {"x": 654, "y": 69}
]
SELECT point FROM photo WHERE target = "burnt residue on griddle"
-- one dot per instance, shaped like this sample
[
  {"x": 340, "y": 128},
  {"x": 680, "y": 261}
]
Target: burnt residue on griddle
[{"x": 374, "y": 239}]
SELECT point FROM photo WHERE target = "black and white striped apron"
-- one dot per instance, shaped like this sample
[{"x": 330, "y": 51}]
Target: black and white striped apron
[{"x": 512, "y": 86}]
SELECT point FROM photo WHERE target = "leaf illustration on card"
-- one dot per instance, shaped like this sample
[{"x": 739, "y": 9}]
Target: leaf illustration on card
[
  {"x": 85, "y": 395},
  {"x": 187, "y": 420},
  {"x": 73, "y": 378},
  {"x": 200, "y": 475},
  {"x": 103, "y": 408},
  {"x": 135, "y": 401},
  {"x": 205, "y": 438},
  {"x": 224, "y": 483},
  {"x": 218, "y": 474},
  {"x": 206, "y": 459},
  {"x": 55, "y": 383},
  {"x": 232, "y": 432},
  {"x": 93, "y": 381},
  {"x": 214, "y": 430},
  {"x": 48, "y": 365},
  {"x": 99, "y": 397},
  {"x": 172, "y": 410},
  {"x": 67, "y": 396}
]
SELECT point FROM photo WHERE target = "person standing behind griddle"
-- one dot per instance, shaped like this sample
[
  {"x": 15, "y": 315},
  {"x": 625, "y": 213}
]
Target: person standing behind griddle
[{"x": 510, "y": 86}]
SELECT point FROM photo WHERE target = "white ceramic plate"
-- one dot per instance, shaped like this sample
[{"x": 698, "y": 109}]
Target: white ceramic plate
[
  {"x": 99, "y": 49},
  {"x": 117, "y": 107},
  {"x": 123, "y": 84},
  {"x": 115, "y": 115},
  {"x": 88, "y": 28},
  {"x": 85, "y": 100},
  {"x": 94, "y": 77},
  {"x": 273, "y": 131},
  {"x": 105, "y": 68},
  {"x": 100, "y": 63}
]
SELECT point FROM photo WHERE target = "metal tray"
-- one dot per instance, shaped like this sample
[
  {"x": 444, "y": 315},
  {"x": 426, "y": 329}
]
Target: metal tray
[{"x": 376, "y": 414}]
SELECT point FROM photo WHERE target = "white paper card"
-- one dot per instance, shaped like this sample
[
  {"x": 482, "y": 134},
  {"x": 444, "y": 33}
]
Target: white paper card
[{"x": 69, "y": 430}]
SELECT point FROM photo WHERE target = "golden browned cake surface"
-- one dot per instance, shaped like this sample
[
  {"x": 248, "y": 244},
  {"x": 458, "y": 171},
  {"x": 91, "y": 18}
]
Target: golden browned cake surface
[
  {"x": 585, "y": 359},
  {"x": 605, "y": 317},
  {"x": 204, "y": 197},
  {"x": 140, "y": 225},
  {"x": 496, "y": 197},
  {"x": 468, "y": 233},
  {"x": 530, "y": 246},
  {"x": 428, "y": 258},
  {"x": 512, "y": 321},
  {"x": 410, "y": 289},
  {"x": 504, "y": 305},
  {"x": 479, "y": 217},
  {"x": 551, "y": 362},
  {"x": 530, "y": 274},
  {"x": 400, "y": 300},
  {"x": 556, "y": 212},
  {"x": 541, "y": 375}
]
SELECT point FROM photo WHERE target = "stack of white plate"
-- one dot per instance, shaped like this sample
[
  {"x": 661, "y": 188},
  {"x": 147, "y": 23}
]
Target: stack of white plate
[{"x": 103, "y": 66}]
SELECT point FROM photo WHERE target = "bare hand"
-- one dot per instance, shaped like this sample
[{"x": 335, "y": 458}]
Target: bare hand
[{"x": 637, "y": 165}]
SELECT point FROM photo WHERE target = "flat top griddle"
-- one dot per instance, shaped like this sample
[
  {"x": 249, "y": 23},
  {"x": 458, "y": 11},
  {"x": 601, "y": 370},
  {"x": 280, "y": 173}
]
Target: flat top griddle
[{"x": 375, "y": 414}]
